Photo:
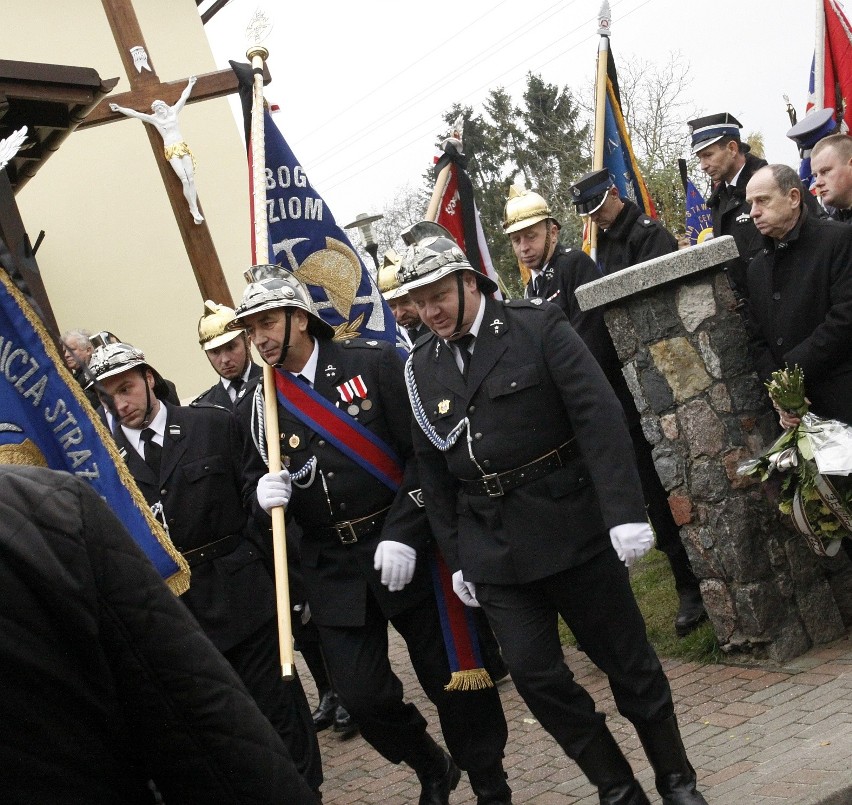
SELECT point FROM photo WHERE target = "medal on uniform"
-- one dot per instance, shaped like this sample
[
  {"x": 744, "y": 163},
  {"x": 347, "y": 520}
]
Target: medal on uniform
[
  {"x": 353, "y": 410},
  {"x": 366, "y": 405},
  {"x": 444, "y": 407},
  {"x": 294, "y": 441}
]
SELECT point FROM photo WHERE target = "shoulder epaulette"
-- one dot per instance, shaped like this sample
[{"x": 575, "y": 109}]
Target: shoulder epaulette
[
  {"x": 200, "y": 397},
  {"x": 423, "y": 340},
  {"x": 363, "y": 343},
  {"x": 646, "y": 221},
  {"x": 199, "y": 403},
  {"x": 527, "y": 303}
]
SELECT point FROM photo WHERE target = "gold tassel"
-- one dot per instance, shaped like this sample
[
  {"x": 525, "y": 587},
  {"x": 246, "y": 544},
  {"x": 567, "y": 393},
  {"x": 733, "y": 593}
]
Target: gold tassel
[{"x": 474, "y": 679}]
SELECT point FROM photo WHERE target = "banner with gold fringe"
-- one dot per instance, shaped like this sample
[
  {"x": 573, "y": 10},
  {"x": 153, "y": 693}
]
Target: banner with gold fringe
[{"x": 47, "y": 421}]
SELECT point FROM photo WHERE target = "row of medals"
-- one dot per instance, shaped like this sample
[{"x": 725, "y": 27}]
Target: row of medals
[{"x": 353, "y": 410}]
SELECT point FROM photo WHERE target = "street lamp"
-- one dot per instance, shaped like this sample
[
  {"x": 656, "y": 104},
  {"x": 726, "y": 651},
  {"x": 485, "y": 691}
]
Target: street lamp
[{"x": 364, "y": 224}]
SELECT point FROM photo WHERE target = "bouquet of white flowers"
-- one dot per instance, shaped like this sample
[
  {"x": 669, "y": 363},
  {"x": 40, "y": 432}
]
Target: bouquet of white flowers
[{"x": 815, "y": 458}]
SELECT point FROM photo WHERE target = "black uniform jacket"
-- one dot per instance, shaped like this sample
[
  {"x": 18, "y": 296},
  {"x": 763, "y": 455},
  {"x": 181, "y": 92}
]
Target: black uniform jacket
[
  {"x": 800, "y": 307},
  {"x": 633, "y": 238},
  {"x": 731, "y": 216},
  {"x": 532, "y": 386},
  {"x": 232, "y": 595},
  {"x": 218, "y": 395},
  {"x": 106, "y": 680},
  {"x": 338, "y": 576},
  {"x": 566, "y": 271}
]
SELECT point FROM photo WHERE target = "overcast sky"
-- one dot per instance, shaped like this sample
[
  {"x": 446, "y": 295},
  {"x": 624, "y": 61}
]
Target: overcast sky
[{"x": 363, "y": 86}]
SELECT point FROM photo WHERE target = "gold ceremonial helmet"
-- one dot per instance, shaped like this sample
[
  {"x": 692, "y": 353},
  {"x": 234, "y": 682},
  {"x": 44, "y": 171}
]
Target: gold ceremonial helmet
[
  {"x": 388, "y": 281},
  {"x": 524, "y": 208},
  {"x": 213, "y": 326}
]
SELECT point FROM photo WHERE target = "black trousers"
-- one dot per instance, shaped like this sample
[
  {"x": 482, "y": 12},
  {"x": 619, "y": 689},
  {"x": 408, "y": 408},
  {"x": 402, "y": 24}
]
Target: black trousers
[
  {"x": 256, "y": 661},
  {"x": 596, "y": 602},
  {"x": 472, "y": 722}
]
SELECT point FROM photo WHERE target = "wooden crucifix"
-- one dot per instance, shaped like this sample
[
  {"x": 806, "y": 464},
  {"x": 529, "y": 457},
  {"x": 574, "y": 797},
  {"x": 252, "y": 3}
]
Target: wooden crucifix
[{"x": 146, "y": 88}]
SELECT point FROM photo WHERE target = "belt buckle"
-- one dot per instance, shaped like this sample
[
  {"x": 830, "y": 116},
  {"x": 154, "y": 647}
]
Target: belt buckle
[
  {"x": 493, "y": 487},
  {"x": 349, "y": 538}
]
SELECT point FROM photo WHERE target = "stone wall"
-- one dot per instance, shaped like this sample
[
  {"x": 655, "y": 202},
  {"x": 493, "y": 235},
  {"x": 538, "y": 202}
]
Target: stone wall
[{"x": 683, "y": 350}]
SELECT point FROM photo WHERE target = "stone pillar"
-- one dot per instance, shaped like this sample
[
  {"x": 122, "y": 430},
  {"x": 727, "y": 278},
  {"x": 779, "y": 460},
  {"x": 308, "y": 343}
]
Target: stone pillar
[{"x": 683, "y": 349}]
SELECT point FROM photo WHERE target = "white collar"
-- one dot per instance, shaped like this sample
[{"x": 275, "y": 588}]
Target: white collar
[
  {"x": 309, "y": 370},
  {"x": 157, "y": 424},
  {"x": 733, "y": 182}
]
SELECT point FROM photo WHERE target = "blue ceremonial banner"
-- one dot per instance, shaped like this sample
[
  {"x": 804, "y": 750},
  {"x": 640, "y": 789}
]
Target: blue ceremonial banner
[
  {"x": 699, "y": 219},
  {"x": 46, "y": 420},
  {"x": 619, "y": 158}
]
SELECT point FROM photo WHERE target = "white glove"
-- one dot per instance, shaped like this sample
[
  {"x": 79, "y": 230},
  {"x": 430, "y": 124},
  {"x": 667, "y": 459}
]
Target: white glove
[
  {"x": 274, "y": 489},
  {"x": 396, "y": 562},
  {"x": 465, "y": 590},
  {"x": 631, "y": 541}
]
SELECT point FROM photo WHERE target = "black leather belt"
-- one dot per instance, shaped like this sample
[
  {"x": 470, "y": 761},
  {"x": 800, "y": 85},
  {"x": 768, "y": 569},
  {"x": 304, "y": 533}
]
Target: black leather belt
[
  {"x": 221, "y": 547},
  {"x": 349, "y": 531},
  {"x": 498, "y": 484}
]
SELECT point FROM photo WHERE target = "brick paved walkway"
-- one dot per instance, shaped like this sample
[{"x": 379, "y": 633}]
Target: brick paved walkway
[{"x": 755, "y": 735}]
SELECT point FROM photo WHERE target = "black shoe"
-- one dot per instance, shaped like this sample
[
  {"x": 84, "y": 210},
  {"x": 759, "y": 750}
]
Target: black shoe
[
  {"x": 344, "y": 724},
  {"x": 603, "y": 762},
  {"x": 323, "y": 716},
  {"x": 490, "y": 786},
  {"x": 436, "y": 786},
  {"x": 691, "y": 613},
  {"x": 673, "y": 773}
]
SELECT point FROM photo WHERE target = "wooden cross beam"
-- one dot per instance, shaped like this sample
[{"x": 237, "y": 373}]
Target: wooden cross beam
[{"x": 146, "y": 87}]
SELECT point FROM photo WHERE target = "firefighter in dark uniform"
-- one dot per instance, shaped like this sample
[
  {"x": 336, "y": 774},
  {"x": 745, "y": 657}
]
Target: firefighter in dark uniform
[
  {"x": 533, "y": 231},
  {"x": 364, "y": 547},
  {"x": 831, "y": 163},
  {"x": 186, "y": 462},
  {"x": 404, "y": 312},
  {"x": 626, "y": 236},
  {"x": 524, "y": 461},
  {"x": 230, "y": 356},
  {"x": 806, "y": 133},
  {"x": 725, "y": 158}
]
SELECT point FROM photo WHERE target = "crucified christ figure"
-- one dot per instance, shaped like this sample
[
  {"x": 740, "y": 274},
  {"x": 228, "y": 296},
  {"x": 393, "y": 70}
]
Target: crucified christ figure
[{"x": 165, "y": 120}]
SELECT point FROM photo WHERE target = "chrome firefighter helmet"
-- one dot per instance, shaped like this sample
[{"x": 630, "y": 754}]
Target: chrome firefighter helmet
[
  {"x": 524, "y": 208},
  {"x": 213, "y": 326},
  {"x": 433, "y": 254},
  {"x": 273, "y": 287},
  {"x": 113, "y": 359}
]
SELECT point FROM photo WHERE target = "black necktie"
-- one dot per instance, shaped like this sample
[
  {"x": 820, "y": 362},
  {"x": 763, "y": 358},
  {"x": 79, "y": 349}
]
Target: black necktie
[
  {"x": 463, "y": 345},
  {"x": 236, "y": 385},
  {"x": 538, "y": 286},
  {"x": 153, "y": 451}
]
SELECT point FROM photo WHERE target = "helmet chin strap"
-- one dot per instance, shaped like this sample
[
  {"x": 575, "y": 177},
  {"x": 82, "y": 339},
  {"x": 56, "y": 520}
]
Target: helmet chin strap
[
  {"x": 548, "y": 240},
  {"x": 460, "y": 317},
  {"x": 148, "y": 403},
  {"x": 285, "y": 346}
]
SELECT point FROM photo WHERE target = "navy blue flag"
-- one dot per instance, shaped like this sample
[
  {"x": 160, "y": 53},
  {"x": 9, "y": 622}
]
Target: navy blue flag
[
  {"x": 305, "y": 238},
  {"x": 699, "y": 219},
  {"x": 47, "y": 421}
]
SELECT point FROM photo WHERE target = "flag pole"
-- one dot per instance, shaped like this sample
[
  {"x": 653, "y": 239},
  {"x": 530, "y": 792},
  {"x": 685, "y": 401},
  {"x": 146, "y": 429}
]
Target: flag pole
[
  {"x": 257, "y": 55},
  {"x": 819, "y": 100},
  {"x": 604, "y": 25}
]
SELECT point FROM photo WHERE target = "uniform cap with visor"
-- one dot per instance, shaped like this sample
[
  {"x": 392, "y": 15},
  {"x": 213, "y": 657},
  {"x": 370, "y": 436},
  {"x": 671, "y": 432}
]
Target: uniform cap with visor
[
  {"x": 525, "y": 208},
  {"x": 711, "y": 128},
  {"x": 213, "y": 326},
  {"x": 589, "y": 192}
]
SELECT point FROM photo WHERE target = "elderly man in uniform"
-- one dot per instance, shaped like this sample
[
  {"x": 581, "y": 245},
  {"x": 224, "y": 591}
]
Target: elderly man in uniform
[
  {"x": 626, "y": 236},
  {"x": 525, "y": 466},
  {"x": 831, "y": 165},
  {"x": 364, "y": 548},
  {"x": 556, "y": 273},
  {"x": 186, "y": 462},
  {"x": 403, "y": 309},
  {"x": 229, "y": 355}
]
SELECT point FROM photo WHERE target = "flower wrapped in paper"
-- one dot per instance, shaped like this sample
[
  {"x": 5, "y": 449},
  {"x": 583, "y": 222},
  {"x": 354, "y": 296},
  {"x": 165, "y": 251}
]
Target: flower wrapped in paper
[{"x": 815, "y": 458}]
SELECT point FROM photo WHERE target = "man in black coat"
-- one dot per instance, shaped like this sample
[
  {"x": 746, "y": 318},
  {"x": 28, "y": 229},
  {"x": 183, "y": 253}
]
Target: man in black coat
[
  {"x": 106, "y": 680},
  {"x": 555, "y": 274},
  {"x": 525, "y": 466},
  {"x": 229, "y": 354},
  {"x": 800, "y": 293},
  {"x": 365, "y": 538},
  {"x": 186, "y": 462}
]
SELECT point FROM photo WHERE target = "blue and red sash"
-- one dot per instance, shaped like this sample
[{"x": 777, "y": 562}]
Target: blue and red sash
[{"x": 371, "y": 453}]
